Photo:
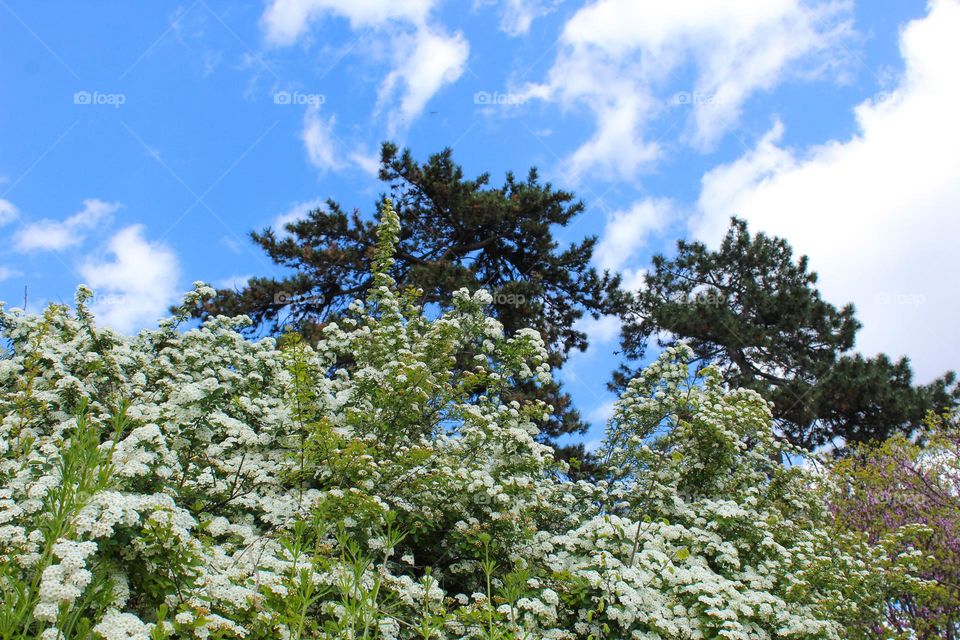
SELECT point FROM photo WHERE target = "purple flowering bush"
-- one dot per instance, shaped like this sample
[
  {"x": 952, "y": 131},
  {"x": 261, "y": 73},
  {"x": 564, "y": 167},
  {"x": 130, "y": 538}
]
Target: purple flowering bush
[{"x": 904, "y": 498}]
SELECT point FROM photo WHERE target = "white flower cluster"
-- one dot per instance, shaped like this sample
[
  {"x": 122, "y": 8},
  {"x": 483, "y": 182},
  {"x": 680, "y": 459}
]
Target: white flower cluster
[
  {"x": 197, "y": 484},
  {"x": 63, "y": 583},
  {"x": 122, "y": 626}
]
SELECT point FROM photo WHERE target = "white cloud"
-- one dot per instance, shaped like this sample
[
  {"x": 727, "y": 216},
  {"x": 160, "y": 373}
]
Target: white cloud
[
  {"x": 601, "y": 414},
  {"x": 424, "y": 63},
  {"x": 285, "y": 21},
  {"x": 516, "y": 16},
  {"x": 602, "y": 330},
  {"x": 52, "y": 235},
  {"x": 627, "y": 231},
  {"x": 233, "y": 283},
  {"x": 6, "y": 273},
  {"x": 8, "y": 212},
  {"x": 620, "y": 58},
  {"x": 298, "y": 211},
  {"x": 135, "y": 283},
  {"x": 424, "y": 57},
  {"x": 321, "y": 145},
  {"x": 319, "y": 140},
  {"x": 592, "y": 445},
  {"x": 878, "y": 214},
  {"x": 633, "y": 278},
  {"x": 232, "y": 243},
  {"x": 369, "y": 163}
]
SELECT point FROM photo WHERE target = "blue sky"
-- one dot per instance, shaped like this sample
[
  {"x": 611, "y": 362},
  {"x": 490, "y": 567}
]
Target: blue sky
[{"x": 140, "y": 142}]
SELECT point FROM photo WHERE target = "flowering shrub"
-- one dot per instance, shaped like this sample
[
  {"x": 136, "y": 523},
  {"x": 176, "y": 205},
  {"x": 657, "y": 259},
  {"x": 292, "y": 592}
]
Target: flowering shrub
[
  {"x": 195, "y": 484},
  {"x": 905, "y": 498}
]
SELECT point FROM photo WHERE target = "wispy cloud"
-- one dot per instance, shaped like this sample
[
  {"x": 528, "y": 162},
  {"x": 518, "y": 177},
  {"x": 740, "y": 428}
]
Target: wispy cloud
[
  {"x": 516, "y": 16},
  {"x": 319, "y": 140},
  {"x": 8, "y": 212},
  {"x": 424, "y": 56},
  {"x": 620, "y": 59},
  {"x": 285, "y": 21},
  {"x": 298, "y": 211},
  {"x": 6, "y": 273},
  {"x": 628, "y": 230},
  {"x": 424, "y": 62},
  {"x": 54, "y": 235}
]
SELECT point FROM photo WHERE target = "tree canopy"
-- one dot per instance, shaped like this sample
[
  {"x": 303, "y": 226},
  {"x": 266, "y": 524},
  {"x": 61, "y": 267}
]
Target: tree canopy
[
  {"x": 456, "y": 232},
  {"x": 755, "y": 311}
]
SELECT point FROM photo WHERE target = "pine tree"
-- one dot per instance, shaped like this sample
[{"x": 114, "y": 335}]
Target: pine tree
[
  {"x": 456, "y": 232},
  {"x": 754, "y": 311}
]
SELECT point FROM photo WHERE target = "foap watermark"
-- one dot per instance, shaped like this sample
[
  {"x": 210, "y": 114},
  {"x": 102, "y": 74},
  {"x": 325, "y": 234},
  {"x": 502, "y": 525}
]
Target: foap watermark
[
  {"x": 708, "y": 298},
  {"x": 899, "y": 299},
  {"x": 106, "y": 300},
  {"x": 498, "y": 98},
  {"x": 694, "y": 98},
  {"x": 284, "y": 298},
  {"x": 508, "y": 299},
  {"x": 98, "y": 98},
  {"x": 702, "y": 298},
  {"x": 483, "y": 498},
  {"x": 297, "y": 98}
]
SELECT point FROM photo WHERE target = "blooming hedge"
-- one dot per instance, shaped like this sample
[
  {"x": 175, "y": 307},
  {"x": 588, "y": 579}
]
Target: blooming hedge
[{"x": 190, "y": 483}]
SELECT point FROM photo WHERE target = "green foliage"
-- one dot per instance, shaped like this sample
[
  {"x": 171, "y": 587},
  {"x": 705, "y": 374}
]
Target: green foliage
[
  {"x": 456, "y": 233},
  {"x": 368, "y": 484},
  {"x": 753, "y": 311}
]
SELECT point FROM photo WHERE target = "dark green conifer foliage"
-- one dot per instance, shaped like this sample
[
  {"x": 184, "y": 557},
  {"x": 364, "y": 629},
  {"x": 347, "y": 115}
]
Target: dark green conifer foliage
[
  {"x": 455, "y": 232},
  {"x": 753, "y": 310}
]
